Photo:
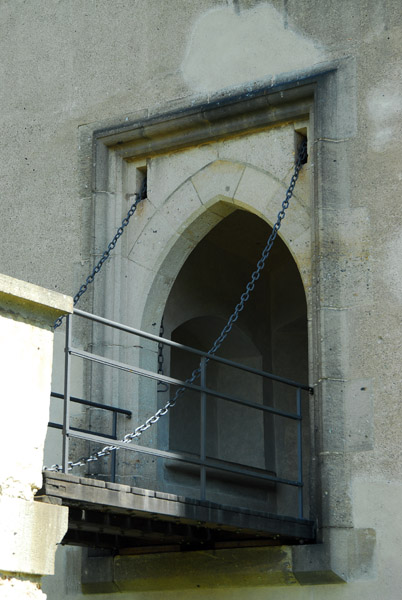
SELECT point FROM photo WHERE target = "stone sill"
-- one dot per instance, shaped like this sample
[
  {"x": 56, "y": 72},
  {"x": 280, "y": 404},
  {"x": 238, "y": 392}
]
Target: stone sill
[
  {"x": 211, "y": 569},
  {"x": 346, "y": 555}
]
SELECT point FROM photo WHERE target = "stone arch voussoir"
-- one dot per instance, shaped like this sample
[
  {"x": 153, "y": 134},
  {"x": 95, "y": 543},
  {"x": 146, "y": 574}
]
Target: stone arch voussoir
[{"x": 198, "y": 205}]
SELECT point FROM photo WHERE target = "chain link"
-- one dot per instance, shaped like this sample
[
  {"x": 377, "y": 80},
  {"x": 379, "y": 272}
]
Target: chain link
[
  {"x": 162, "y": 387},
  {"x": 138, "y": 198},
  {"x": 129, "y": 437}
]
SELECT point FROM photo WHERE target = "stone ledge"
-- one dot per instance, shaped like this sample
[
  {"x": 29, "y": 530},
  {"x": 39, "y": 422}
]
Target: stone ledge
[
  {"x": 190, "y": 570},
  {"x": 224, "y": 568},
  {"x": 348, "y": 555},
  {"x": 29, "y": 534},
  {"x": 30, "y": 298}
]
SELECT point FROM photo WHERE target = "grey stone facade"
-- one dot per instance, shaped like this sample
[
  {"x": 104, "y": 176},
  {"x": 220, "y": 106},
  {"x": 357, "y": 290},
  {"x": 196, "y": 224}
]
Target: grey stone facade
[{"x": 210, "y": 98}]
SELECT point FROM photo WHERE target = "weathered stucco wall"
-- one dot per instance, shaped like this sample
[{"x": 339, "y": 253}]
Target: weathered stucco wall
[{"x": 71, "y": 67}]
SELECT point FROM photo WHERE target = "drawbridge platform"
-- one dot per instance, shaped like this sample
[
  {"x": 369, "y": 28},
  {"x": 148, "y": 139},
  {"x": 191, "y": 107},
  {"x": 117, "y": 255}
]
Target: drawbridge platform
[{"x": 134, "y": 520}]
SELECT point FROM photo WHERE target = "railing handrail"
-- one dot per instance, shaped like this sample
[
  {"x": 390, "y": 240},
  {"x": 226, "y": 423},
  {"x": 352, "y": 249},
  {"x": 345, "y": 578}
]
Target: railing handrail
[
  {"x": 201, "y": 353},
  {"x": 109, "y": 362},
  {"x": 59, "y": 426},
  {"x": 109, "y": 407}
]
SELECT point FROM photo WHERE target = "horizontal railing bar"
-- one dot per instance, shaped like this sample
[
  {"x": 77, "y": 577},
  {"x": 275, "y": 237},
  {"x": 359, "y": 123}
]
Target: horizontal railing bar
[
  {"x": 221, "y": 461},
  {"x": 178, "y": 456},
  {"x": 173, "y": 344},
  {"x": 60, "y": 426},
  {"x": 122, "y": 411},
  {"x": 170, "y": 380}
]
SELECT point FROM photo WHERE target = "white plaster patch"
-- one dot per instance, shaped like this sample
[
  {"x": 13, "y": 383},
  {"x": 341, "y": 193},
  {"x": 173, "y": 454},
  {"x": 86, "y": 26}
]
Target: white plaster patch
[
  {"x": 385, "y": 112},
  {"x": 229, "y": 48}
]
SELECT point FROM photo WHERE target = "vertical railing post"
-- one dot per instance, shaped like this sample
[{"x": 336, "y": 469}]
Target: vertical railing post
[
  {"x": 114, "y": 433},
  {"x": 203, "y": 428},
  {"x": 66, "y": 407},
  {"x": 299, "y": 454}
]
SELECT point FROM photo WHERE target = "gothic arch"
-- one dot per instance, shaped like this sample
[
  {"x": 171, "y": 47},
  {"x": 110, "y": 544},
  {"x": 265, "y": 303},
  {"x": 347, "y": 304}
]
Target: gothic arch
[
  {"x": 174, "y": 229},
  {"x": 271, "y": 334}
]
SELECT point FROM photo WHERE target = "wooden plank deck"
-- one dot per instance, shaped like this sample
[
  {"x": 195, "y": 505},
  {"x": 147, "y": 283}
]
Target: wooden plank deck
[{"x": 111, "y": 515}]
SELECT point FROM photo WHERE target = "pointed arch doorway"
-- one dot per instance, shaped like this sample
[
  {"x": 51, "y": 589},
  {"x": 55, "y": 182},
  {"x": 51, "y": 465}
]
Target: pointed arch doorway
[{"x": 271, "y": 334}]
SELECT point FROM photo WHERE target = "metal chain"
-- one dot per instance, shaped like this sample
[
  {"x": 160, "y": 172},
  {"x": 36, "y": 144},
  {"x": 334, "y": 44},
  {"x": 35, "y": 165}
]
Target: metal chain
[
  {"x": 129, "y": 437},
  {"x": 162, "y": 387},
  {"x": 138, "y": 198}
]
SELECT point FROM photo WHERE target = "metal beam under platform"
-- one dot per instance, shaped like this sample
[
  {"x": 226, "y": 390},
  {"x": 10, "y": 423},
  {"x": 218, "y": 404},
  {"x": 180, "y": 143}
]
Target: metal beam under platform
[{"x": 120, "y": 517}]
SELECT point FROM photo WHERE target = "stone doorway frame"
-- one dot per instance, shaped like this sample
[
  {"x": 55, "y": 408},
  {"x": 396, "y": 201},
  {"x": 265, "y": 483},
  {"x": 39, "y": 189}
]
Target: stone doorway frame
[{"x": 324, "y": 97}]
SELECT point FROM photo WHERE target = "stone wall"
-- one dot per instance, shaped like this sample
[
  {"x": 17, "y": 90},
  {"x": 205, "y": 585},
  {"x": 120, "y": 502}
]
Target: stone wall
[{"x": 74, "y": 69}]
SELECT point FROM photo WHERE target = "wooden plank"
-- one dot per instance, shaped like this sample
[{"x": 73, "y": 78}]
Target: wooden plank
[{"x": 95, "y": 495}]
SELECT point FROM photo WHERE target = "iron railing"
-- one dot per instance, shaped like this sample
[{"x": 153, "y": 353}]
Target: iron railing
[
  {"x": 203, "y": 462},
  {"x": 107, "y": 407}
]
